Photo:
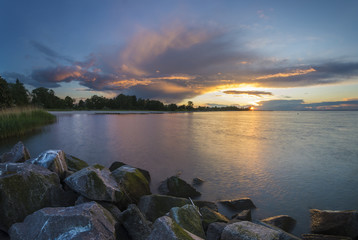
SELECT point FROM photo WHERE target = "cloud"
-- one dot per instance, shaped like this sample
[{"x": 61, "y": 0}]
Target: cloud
[
  {"x": 296, "y": 72},
  {"x": 254, "y": 93},
  {"x": 299, "y": 105},
  {"x": 51, "y": 54}
]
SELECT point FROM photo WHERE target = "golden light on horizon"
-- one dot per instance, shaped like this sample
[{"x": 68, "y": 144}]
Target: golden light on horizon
[{"x": 252, "y": 108}]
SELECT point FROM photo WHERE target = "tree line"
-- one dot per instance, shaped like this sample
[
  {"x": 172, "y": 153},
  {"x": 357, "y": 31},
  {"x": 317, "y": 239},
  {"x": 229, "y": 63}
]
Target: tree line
[{"x": 15, "y": 94}]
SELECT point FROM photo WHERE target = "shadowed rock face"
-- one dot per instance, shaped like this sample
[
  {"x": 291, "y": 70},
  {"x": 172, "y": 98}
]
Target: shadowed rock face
[
  {"x": 17, "y": 154},
  {"x": 74, "y": 164},
  {"x": 24, "y": 189},
  {"x": 239, "y": 204},
  {"x": 341, "y": 223},
  {"x": 116, "y": 165},
  {"x": 211, "y": 216},
  {"x": 85, "y": 221},
  {"x": 54, "y": 160},
  {"x": 174, "y": 186}
]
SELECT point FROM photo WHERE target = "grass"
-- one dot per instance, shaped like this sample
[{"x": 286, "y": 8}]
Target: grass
[{"x": 18, "y": 121}]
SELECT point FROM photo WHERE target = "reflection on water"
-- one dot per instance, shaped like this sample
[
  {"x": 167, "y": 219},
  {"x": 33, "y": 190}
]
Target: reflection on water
[{"x": 286, "y": 162}]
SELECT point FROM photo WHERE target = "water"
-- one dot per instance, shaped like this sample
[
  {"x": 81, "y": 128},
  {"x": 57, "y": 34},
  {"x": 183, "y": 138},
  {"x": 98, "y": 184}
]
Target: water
[{"x": 286, "y": 162}]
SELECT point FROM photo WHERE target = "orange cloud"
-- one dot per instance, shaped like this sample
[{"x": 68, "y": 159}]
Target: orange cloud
[{"x": 289, "y": 74}]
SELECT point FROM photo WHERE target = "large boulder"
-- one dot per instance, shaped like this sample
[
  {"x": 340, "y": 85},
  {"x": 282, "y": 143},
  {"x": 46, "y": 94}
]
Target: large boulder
[
  {"x": 132, "y": 182},
  {"x": 215, "y": 230},
  {"x": 248, "y": 231},
  {"x": 85, "y": 221},
  {"x": 209, "y": 216},
  {"x": 323, "y": 237},
  {"x": 96, "y": 184},
  {"x": 154, "y": 206},
  {"x": 17, "y": 154},
  {"x": 54, "y": 160},
  {"x": 188, "y": 217},
  {"x": 164, "y": 228},
  {"x": 74, "y": 164},
  {"x": 135, "y": 223},
  {"x": 341, "y": 223},
  {"x": 283, "y": 235},
  {"x": 244, "y": 215},
  {"x": 24, "y": 189},
  {"x": 116, "y": 165},
  {"x": 177, "y": 187},
  {"x": 284, "y": 222},
  {"x": 239, "y": 204}
]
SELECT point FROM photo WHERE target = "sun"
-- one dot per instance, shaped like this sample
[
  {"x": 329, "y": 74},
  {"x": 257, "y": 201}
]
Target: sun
[{"x": 252, "y": 108}]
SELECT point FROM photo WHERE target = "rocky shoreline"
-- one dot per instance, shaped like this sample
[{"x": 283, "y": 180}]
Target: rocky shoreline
[{"x": 58, "y": 196}]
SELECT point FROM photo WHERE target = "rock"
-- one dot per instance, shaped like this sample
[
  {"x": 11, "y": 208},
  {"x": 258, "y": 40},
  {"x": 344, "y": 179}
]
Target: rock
[
  {"x": 244, "y": 215},
  {"x": 17, "y": 154},
  {"x": 197, "y": 181},
  {"x": 85, "y": 221},
  {"x": 98, "y": 166},
  {"x": 211, "y": 205},
  {"x": 155, "y": 206},
  {"x": 164, "y": 228},
  {"x": 135, "y": 223},
  {"x": 132, "y": 182},
  {"x": 284, "y": 222},
  {"x": 54, "y": 160},
  {"x": 283, "y": 235},
  {"x": 210, "y": 216},
  {"x": 24, "y": 189},
  {"x": 174, "y": 186},
  {"x": 4, "y": 236},
  {"x": 323, "y": 237},
  {"x": 188, "y": 217},
  {"x": 239, "y": 204},
  {"x": 113, "y": 209},
  {"x": 341, "y": 223},
  {"x": 74, "y": 164},
  {"x": 248, "y": 231},
  {"x": 116, "y": 165},
  {"x": 215, "y": 230},
  {"x": 96, "y": 184}
]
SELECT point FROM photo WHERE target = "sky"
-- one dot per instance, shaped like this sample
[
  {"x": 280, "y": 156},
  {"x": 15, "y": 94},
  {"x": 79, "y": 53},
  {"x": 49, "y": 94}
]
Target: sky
[{"x": 273, "y": 55}]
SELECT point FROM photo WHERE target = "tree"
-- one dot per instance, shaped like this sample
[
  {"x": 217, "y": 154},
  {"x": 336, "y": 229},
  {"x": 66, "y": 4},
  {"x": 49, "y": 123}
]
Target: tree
[
  {"x": 5, "y": 94},
  {"x": 172, "y": 107},
  {"x": 46, "y": 98},
  {"x": 19, "y": 93},
  {"x": 69, "y": 102},
  {"x": 190, "y": 106}
]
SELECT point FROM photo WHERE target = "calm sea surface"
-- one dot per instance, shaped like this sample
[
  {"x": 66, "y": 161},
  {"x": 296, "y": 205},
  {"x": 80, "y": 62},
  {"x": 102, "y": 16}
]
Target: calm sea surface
[{"x": 286, "y": 162}]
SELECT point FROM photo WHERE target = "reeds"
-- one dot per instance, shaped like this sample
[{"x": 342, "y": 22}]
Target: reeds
[{"x": 18, "y": 121}]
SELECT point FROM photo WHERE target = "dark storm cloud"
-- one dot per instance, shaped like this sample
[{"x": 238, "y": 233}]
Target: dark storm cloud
[
  {"x": 254, "y": 93},
  {"x": 51, "y": 54},
  {"x": 299, "y": 105}
]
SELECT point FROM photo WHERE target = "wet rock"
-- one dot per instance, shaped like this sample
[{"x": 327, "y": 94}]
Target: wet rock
[
  {"x": 174, "y": 186},
  {"x": 85, "y": 221},
  {"x": 17, "y": 154},
  {"x": 341, "y": 223},
  {"x": 284, "y": 222},
  {"x": 197, "y": 181},
  {"x": 54, "y": 160},
  {"x": 74, "y": 164},
  {"x": 155, "y": 205},
  {"x": 132, "y": 182},
  {"x": 211, "y": 205},
  {"x": 116, "y": 165},
  {"x": 96, "y": 184},
  {"x": 215, "y": 230},
  {"x": 323, "y": 237},
  {"x": 98, "y": 166},
  {"x": 164, "y": 228},
  {"x": 24, "y": 189},
  {"x": 244, "y": 215},
  {"x": 239, "y": 204},
  {"x": 209, "y": 216},
  {"x": 248, "y": 231},
  {"x": 135, "y": 223},
  {"x": 188, "y": 217}
]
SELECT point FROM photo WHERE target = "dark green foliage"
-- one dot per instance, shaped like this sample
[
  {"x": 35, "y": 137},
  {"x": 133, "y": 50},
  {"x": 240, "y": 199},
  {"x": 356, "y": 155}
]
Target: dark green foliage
[
  {"x": 5, "y": 94},
  {"x": 19, "y": 93}
]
